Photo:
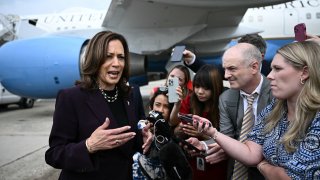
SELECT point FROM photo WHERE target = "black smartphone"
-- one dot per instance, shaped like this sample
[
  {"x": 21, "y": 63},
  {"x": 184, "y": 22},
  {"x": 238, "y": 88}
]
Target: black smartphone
[
  {"x": 300, "y": 32},
  {"x": 189, "y": 146},
  {"x": 177, "y": 53},
  {"x": 185, "y": 118}
]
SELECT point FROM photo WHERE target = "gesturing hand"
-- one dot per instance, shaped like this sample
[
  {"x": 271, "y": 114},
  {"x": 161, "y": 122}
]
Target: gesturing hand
[
  {"x": 103, "y": 138},
  {"x": 147, "y": 138}
]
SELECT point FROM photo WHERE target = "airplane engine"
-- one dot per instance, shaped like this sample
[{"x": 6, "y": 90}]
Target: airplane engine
[
  {"x": 40, "y": 67},
  {"x": 138, "y": 65}
]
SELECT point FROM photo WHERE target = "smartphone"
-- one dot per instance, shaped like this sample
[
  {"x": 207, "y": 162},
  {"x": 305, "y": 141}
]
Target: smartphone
[
  {"x": 177, "y": 53},
  {"x": 173, "y": 83},
  {"x": 185, "y": 118},
  {"x": 300, "y": 32},
  {"x": 189, "y": 146}
]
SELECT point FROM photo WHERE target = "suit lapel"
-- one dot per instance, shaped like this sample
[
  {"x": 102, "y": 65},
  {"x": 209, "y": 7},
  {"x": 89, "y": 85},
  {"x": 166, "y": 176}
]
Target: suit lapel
[
  {"x": 100, "y": 108},
  {"x": 130, "y": 111},
  {"x": 265, "y": 97},
  {"x": 129, "y": 107}
]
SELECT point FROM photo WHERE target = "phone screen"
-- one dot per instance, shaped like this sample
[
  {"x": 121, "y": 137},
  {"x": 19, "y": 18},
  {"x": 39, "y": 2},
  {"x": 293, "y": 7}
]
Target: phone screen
[
  {"x": 177, "y": 53},
  {"x": 300, "y": 32}
]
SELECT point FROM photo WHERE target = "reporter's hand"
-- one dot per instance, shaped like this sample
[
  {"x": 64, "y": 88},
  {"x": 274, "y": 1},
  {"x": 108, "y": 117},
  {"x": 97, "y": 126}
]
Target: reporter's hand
[
  {"x": 188, "y": 56},
  {"x": 215, "y": 154},
  {"x": 196, "y": 143},
  {"x": 190, "y": 130},
  {"x": 203, "y": 125},
  {"x": 180, "y": 94},
  {"x": 147, "y": 137},
  {"x": 313, "y": 38},
  {"x": 103, "y": 138}
]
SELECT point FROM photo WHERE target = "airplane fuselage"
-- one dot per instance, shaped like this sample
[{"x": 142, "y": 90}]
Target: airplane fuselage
[{"x": 43, "y": 65}]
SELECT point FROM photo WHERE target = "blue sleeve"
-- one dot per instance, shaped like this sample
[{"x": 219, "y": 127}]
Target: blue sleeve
[{"x": 305, "y": 161}]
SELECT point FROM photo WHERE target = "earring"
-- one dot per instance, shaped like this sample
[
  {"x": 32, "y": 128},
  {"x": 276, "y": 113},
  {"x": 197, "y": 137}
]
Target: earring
[{"x": 302, "y": 81}]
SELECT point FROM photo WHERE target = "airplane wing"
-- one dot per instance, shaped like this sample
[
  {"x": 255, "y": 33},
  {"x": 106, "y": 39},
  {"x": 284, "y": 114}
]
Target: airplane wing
[{"x": 154, "y": 26}]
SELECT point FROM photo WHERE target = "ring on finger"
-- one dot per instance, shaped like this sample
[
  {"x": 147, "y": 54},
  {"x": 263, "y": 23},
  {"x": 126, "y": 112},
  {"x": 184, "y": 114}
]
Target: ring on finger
[{"x": 117, "y": 141}]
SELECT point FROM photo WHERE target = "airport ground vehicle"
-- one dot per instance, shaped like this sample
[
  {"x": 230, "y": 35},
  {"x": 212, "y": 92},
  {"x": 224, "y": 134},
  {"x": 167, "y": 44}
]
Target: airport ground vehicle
[{"x": 7, "y": 98}]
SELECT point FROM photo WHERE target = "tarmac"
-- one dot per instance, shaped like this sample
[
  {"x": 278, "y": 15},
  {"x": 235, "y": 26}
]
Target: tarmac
[
  {"x": 24, "y": 135},
  {"x": 23, "y": 141}
]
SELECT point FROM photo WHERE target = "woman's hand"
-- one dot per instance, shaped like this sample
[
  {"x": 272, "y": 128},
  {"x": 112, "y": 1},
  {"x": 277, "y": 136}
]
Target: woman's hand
[
  {"x": 103, "y": 138},
  {"x": 313, "y": 38},
  {"x": 180, "y": 94},
  {"x": 190, "y": 130},
  {"x": 196, "y": 144},
  {"x": 215, "y": 154},
  {"x": 147, "y": 137},
  {"x": 203, "y": 125},
  {"x": 270, "y": 171}
]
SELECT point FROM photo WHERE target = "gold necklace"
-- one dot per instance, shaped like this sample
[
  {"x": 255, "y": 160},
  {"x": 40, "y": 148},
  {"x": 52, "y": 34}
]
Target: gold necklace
[{"x": 110, "y": 98}]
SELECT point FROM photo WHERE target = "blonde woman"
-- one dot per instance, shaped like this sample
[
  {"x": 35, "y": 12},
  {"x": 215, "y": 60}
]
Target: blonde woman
[{"x": 285, "y": 140}]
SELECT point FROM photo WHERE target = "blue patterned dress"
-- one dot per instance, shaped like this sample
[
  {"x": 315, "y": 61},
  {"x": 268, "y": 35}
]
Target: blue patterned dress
[{"x": 304, "y": 163}]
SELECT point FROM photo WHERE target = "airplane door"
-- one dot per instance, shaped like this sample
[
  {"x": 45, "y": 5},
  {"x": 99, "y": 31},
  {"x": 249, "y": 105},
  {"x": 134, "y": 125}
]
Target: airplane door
[{"x": 291, "y": 18}]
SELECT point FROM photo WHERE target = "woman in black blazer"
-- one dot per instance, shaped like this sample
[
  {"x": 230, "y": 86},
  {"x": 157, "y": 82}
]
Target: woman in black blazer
[{"x": 94, "y": 132}]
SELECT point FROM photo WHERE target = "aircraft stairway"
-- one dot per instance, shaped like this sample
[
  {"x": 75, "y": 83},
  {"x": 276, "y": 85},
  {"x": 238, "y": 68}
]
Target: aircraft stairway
[{"x": 7, "y": 27}]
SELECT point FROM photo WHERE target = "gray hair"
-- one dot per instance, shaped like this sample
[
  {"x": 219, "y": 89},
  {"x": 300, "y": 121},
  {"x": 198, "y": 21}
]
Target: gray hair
[{"x": 250, "y": 53}]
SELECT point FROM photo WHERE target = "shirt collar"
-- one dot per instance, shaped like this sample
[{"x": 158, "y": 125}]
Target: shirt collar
[{"x": 257, "y": 90}]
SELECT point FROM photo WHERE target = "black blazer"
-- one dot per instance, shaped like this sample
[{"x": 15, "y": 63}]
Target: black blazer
[
  {"x": 77, "y": 114},
  {"x": 198, "y": 63}
]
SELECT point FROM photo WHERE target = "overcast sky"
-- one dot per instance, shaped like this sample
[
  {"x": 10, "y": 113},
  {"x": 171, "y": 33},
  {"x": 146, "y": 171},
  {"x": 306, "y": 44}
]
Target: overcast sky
[{"x": 29, "y": 7}]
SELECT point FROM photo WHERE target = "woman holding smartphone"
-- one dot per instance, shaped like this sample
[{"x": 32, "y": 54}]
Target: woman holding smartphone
[{"x": 203, "y": 101}]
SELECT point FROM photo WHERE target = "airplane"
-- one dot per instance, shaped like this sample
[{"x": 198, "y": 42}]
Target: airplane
[
  {"x": 42, "y": 65},
  {"x": 277, "y": 22}
]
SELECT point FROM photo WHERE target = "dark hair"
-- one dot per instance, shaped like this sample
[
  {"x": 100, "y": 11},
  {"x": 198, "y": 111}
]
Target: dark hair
[
  {"x": 256, "y": 40},
  {"x": 96, "y": 55},
  {"x": 158, "y": 92},
  {"x": 208, "y": 77}
]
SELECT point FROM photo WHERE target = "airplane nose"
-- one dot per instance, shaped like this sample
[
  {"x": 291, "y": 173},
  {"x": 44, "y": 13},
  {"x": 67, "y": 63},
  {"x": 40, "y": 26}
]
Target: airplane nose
[{"x": 40, "y": 67}]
